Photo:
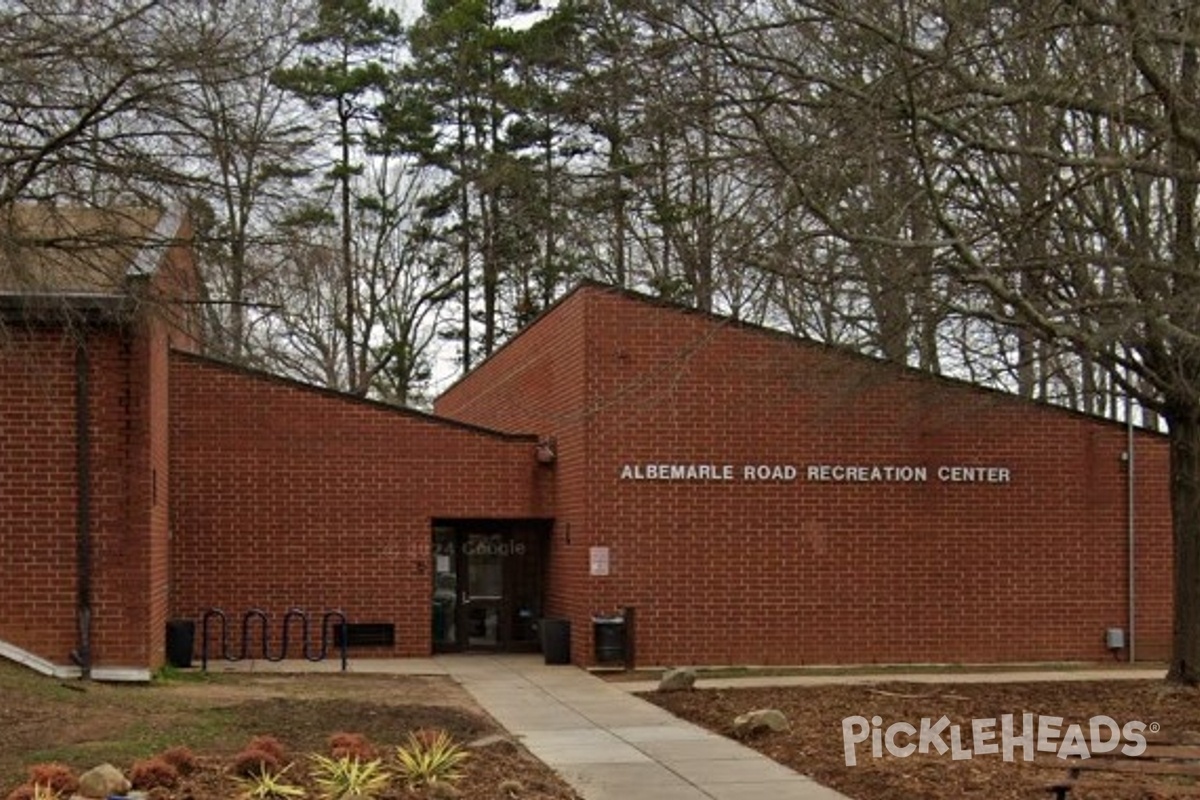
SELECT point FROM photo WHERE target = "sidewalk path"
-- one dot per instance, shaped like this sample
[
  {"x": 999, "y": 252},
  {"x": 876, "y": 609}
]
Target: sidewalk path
[
  {"x": 610, "y": 745},
  {"x": 1008, "y": 676}
]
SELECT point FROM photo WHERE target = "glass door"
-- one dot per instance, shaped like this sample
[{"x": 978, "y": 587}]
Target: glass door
[
  {"x": 446, "y": 606},
  {"x": 484, "y": 557},
  {"x": 487, "y": 584}
]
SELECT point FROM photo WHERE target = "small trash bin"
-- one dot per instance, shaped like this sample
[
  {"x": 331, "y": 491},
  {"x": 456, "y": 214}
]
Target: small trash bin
[
  {"x": 556, "y": 640},
  {"x": 439, "y": 622},
  {"x": 181, "y": 634},
  {"x": 609, "y": 635}
]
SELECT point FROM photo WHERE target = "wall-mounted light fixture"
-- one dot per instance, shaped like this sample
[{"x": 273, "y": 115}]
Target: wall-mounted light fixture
[{"x": 547, "y": 450}]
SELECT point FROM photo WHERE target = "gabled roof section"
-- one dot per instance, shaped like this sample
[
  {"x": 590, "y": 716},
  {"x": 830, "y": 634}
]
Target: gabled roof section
[{"x": 78, "y": 252}]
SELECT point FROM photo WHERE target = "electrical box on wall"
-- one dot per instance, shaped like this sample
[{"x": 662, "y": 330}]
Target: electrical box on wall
[{"x": 1114, "y": 638}]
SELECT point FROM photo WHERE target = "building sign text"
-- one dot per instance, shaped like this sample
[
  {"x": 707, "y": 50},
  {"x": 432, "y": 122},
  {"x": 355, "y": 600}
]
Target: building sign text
[{"x": 818, "y": 473}]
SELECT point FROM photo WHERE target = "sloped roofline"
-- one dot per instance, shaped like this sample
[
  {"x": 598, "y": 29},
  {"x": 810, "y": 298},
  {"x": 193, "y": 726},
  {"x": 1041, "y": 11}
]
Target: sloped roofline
[
  {"x": 47, "y": 305},
  {"x": 586, "y": 285},
  {"x": 335, "y": 394},
  {"x": 148, "y": 259}
]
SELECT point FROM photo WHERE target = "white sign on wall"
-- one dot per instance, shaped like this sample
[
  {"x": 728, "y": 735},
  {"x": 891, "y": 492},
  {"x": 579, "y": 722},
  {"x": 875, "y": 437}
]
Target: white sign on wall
[{"x": 598, "y": 561}]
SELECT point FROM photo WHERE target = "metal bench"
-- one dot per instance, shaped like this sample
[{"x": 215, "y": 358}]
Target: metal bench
[{"x": 1154, "y": 768}]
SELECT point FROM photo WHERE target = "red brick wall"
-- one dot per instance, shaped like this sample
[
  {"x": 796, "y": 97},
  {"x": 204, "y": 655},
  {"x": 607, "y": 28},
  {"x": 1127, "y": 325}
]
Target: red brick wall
[
  {"x": 253, "y": 491},
  {"x": 814, "y": 572},
  {"x": 127, "y": 379},
  {"x": 37, "y": 492},
  {"x": 171, "y": 325},
  {"x": 38, "y": 498},
  {"x": 540, "y": 383},
  {"x": 284, "y": 495}
]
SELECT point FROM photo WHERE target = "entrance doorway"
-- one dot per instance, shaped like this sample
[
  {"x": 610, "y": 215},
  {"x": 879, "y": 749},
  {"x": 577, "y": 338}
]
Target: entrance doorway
[{"x": 487, "y": 584}]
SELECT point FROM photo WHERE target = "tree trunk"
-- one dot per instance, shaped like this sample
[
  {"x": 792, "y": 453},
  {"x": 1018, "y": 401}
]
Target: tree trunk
[
  {"x": 1185, "y": 512},
  {"x": 464, "y": 235},
  {"x": 1183, "y": 414},
  {"x": 347, "y": 252}
]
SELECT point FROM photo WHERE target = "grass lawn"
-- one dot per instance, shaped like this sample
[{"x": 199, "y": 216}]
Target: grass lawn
[{"x": 83, "y": 724}]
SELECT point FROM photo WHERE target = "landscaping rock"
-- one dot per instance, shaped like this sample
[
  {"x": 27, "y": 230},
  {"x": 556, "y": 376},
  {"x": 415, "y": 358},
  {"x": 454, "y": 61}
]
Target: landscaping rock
[
  {"x": 677, "y": 680},
  {"x": 103, "y": 781},
  {"x": 488, "y": 741},
  {"x": 760, "y": 720}
]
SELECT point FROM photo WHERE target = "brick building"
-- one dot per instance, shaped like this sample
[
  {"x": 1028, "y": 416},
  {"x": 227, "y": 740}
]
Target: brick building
[
  {"x": 757, "y": 499},
  {"x": 87, "y": 319}
]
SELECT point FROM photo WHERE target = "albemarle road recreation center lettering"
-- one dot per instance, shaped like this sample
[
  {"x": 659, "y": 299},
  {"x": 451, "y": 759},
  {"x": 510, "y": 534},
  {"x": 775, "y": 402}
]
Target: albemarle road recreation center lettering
[{"x": 827, "y": 473}]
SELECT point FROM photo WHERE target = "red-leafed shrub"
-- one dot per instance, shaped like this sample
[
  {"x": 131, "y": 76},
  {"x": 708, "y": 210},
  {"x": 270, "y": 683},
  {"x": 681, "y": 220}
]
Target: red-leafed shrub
[
  {"x": 181, "y": 758},
  {"x": 269, "y": 744},
  {"x": 152, "y": 773},
  {"x": 351, "y": 745},
  {"x": 58, "y": 777},
  {"x": 252, "y": 761}
]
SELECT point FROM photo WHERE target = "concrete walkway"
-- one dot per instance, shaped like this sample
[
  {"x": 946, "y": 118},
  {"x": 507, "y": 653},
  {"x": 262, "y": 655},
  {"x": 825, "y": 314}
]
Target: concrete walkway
[
  {"x": 610, "y": 745},
  {"x": 849, "y": 679}
]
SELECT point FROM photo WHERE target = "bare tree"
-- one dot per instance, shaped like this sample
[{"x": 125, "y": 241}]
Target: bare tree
[
  {"x": 89, "y": 118},
  {"x": 242, "y": 143},
  {"x": 1057, "y": 150}
]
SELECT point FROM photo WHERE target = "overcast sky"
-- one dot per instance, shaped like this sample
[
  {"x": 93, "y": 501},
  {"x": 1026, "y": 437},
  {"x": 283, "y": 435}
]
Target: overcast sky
[{"x": 410, "y": 9}]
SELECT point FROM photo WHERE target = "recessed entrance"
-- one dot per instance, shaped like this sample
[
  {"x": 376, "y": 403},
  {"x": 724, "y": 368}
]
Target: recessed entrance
[{"x": 487, "y": 584}]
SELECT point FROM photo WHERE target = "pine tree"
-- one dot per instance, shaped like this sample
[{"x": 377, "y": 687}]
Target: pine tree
[{"x": 347, "y": 70}]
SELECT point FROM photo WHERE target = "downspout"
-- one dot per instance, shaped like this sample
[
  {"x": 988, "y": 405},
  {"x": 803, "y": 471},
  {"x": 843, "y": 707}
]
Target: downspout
[
  {"x": 83, "y": 507},
  {"x": 1131, "y": 527}
]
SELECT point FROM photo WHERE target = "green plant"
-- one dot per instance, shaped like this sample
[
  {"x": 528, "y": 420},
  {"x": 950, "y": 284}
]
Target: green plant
[
  {"x": 36, "y": 791},
  {"x": 349, "y": 776},
  {"x": 269, "y": 786},
  {"x": 429, "y": 757},
  {"x": 44, "y": 791}
]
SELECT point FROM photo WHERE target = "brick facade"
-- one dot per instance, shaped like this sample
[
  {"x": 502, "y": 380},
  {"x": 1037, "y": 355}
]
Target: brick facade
[
  {"x": 127, "y": 479},
  {"x": 285, "y": 495},
  {"x": 217, "y": 486},
  {"x": 809, "y": 571},
  {"x": 117, "y": 346}
]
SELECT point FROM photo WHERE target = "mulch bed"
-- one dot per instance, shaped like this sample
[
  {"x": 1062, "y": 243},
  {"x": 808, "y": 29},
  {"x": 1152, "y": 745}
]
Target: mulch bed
[{"x": 814, "y": 744}]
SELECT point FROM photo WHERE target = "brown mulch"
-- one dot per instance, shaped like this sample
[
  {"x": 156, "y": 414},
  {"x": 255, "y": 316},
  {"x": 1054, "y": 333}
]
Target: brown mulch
[{"x": 814, "y": 743}]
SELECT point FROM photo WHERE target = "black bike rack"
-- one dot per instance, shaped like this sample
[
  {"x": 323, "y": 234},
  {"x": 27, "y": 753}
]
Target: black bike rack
[{"x": 257, "y": 615}]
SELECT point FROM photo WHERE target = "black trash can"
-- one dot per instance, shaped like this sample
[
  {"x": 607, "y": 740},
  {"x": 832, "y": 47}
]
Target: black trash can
[
  {"x": 609, "y": 633},
  {"x": 556, "y": 641},
  {"x": 181, "y": 633}
]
